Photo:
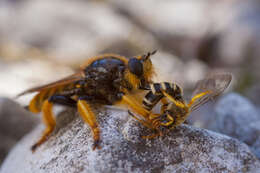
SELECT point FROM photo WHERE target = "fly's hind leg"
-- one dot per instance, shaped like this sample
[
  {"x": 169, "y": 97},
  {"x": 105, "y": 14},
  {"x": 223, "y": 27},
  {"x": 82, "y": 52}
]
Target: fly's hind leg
[
  {"x": 90, "y": 118},
  {"x": 49, "y": 121}
]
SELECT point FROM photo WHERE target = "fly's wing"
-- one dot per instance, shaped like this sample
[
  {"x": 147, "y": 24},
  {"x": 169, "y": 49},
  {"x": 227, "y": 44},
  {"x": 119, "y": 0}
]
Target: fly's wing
[
  {"x": 213, "y": 86},
  {"x": 64, "y": 81}
]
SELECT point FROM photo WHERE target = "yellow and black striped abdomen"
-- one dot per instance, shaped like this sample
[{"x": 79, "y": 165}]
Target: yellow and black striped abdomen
[{"x": 156, "y": 93}]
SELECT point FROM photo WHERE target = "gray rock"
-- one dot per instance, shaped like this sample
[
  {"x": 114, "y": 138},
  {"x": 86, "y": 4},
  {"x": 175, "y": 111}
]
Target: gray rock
[
  {"x": 255, "y": 145},
  {"x": 234, "y": 114},
  {"x": 15, "y": 122},
  {"x": 237, "y": 117},
  {"x": 253, "y": 93},
  {"x": 185, "y": 149}
]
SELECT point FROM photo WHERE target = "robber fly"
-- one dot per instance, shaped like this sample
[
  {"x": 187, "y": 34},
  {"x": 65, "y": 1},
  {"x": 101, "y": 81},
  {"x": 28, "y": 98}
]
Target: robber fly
[
  {"x": 174, "y": 109},
  {"x": 107, "y": 79}
]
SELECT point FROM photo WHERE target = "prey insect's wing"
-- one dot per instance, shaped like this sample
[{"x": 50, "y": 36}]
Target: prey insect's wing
[
  {"x": 212, "y": 86},
  {"x": 72, "y": 78}
]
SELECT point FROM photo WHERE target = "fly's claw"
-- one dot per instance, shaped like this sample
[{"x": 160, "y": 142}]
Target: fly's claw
[{"x": 96, "y": 144}]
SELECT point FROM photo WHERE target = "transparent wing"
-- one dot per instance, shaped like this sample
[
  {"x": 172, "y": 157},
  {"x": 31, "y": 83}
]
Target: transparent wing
[
  {"x": 212, "y": 86},
  {"x": 64, "y": 81}
]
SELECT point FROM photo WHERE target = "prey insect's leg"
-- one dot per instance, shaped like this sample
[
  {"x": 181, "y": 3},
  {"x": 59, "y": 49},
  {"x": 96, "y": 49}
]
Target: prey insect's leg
[
  {"x": 143, "y": 122},
  {"x": 49, "y": 121},
  {"x": 148, "y": 125},
  {"x": 63, "y": 100},
  {"x": 197, "y": 96},
  {"x": 176, "y": 102},
  {"x": 90, "y": 118},
  {"x": 170, "y": 120},
  {"x": 164, "y": 106}
]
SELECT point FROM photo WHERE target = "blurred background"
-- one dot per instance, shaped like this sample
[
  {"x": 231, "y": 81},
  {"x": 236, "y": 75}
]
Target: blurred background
[{"x": 44, "y": 40}]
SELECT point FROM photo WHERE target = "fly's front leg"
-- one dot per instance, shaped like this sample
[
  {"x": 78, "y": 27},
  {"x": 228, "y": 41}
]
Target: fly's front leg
[
  {"x": 90, "y": 118},
  {"x": 133, "y": 105},
  {"x": 137, "y": 108},
  {"x": 150, "y": 100}
]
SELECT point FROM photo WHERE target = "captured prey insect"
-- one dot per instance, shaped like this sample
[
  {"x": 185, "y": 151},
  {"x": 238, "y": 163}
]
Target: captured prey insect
[
  {"x": 107, "y": 79},
  {"x": 174, "y": 109}
]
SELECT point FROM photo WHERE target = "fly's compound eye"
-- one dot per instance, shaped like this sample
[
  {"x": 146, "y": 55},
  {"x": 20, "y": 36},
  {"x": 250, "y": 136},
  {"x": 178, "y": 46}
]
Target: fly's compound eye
[{"x": 135, "y": 66}]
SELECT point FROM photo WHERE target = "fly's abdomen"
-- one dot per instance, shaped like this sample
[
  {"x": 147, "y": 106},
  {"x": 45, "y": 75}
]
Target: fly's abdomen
[{"x": 36, "y": 103}]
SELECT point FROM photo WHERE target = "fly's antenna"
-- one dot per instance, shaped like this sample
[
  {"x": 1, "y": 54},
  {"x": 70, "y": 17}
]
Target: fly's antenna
[
  {"x": 149, "y": 54},
  {"x": 153, "y": 52}
]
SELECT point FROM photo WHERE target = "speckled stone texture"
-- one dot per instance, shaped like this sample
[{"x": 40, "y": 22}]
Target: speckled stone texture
[
  {"x": 237, "y": 117},
  {"x": 185, "y": 149}
]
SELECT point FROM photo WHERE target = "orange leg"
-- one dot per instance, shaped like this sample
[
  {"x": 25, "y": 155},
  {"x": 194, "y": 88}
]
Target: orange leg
[
  {"x": 197, "y": 96},
  {"x": 158, "y": 133},
  {"x": 176, "y": 102},
  {"x": 90, "y": 118},
  {"x": 164, "y": 105},
  {"x": 49, "y": 121},
  {"x": 143, "y": 122},
  {"x": 148, "y": 125},
  {"x": 137, "y": 108},
  {"x": 148, "y": 116},
  {"x": 35, "y": 104}
]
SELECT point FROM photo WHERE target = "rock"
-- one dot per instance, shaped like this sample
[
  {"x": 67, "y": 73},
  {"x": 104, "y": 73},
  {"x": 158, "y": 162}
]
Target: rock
[
  {"x": 234, "y": 114},
  {"x": 15, "y": 122},
  {"x": 185, "y": 149},
  {"x": 253, "y": 93},
  {"x": 255, "y": 145},
  {"x": 237, "y": 117}
]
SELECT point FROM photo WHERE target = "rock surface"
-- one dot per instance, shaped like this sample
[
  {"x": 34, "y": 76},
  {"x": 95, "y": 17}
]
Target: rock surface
[
  {"x": 15, "y": 122},
  {"x": 237, "y": 117},
  {"x": 185, "y": 149}
]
